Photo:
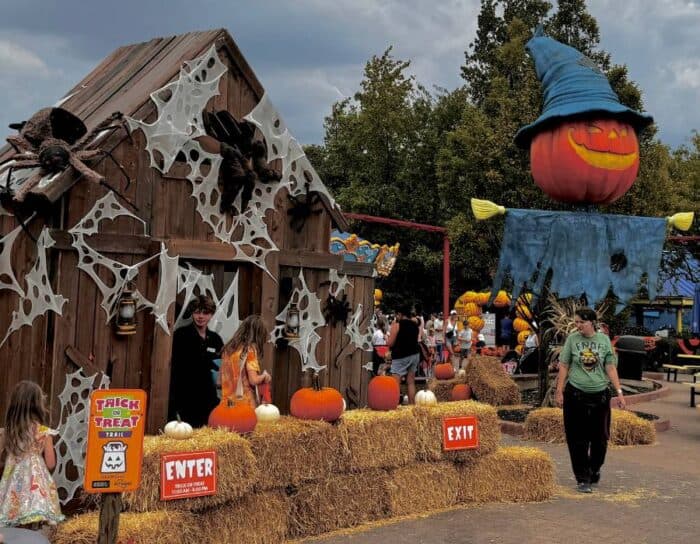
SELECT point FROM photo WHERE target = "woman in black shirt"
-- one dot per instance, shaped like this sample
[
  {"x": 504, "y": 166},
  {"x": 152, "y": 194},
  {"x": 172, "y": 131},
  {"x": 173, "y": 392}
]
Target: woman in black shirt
[{"x": 405, "y": 352}]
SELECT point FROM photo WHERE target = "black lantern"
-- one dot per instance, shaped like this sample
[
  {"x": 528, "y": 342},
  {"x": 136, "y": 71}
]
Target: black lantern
[
  {"x": 291, "y": 324},
  {"x": 125, "y": 320}
]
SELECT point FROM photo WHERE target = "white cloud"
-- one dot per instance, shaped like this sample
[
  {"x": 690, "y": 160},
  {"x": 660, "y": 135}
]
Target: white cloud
[
  {"x": 21, "y": 61},
  {"x": 686, "y": 73}
]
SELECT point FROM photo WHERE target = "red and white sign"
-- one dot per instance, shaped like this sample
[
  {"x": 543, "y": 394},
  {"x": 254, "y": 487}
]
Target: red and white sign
[
  {"x": 186, "y": 475},
  {"x": 460, "y": 433}
]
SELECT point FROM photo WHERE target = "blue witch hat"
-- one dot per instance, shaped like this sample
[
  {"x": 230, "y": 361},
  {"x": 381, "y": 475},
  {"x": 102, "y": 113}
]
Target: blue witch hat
[{"x": 573, "y": 85}]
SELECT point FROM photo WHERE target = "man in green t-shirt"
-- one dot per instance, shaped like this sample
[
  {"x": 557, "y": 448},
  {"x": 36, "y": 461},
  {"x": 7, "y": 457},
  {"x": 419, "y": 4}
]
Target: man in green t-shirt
[{"x": 587, "y": 364}]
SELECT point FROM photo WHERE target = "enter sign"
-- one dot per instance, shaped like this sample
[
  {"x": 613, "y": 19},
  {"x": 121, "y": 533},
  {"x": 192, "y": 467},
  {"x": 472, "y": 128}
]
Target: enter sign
[{"x": 460, "y": 433}]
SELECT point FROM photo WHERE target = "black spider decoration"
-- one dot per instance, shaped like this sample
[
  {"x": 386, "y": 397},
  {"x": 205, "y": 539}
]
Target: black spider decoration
[
  {"x": 336, "y": 310},
  {"x": 302, "y": 207},
  {"x": 244, "y": 159}
]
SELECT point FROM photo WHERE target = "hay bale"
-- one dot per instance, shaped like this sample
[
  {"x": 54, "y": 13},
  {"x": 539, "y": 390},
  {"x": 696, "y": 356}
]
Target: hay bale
[
  {"x": 545, "y": 425},
  {"x": 422, "y": 487},
  {"x": 628, "y": 429},
  {"x": 374, "y": 439},
  {"x": 237, "y": 471},
  {"x": 291, "y": 451},
  {"x": 257, "y": 518},
  {"x": 511, "y": 474},
  {"x": 443, "y": 388},
  {"x": 161, "y": 527},
  {"x": 337, "y": 501},
  {"x": 429, "y": 421},
  {"x": 490, "y": 383}
]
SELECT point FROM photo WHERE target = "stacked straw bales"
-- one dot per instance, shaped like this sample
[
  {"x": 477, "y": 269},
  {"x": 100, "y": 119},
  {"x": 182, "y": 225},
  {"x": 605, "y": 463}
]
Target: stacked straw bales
[
  {"x": 626, "y": 428},
  {"x": 294, "y": 479},
  {"x": 443, "y": 388},
  {"x": 511, "y": 474},
  {"x": 490, "y": 383},
  {"x": 237, "y": 471},
  {"x": 291, "y": 451},
  {"x": 374, "y": 439},
  {"x": 429, "y": 420}
]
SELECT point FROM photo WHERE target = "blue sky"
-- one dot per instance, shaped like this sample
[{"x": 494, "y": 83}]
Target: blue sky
[{"x": 311, "y": 53}]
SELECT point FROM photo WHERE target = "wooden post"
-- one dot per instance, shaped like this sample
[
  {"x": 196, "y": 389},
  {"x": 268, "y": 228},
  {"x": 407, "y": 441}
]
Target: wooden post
[{"x": 109, "y": 518}]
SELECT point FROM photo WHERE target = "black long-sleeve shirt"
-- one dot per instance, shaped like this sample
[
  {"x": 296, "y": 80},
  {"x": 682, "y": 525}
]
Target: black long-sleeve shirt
[{"x": 192, "y": 389}]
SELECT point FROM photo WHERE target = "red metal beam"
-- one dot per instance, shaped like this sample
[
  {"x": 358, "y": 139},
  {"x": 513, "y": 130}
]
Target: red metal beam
[
  {"x": 424, "y": 227},
  {"x": 395, "y": 222}
]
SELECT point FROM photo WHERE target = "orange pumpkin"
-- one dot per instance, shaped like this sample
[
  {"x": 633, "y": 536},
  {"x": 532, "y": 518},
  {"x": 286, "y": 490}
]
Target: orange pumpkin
[
  {"x": 461, "y": 391},
  {"x": 475, "y": 323},
  {"x": 472, "y": 308},
  {"x": 234, "y": 416},
  {"x": 315, "y": 402},
  {"x": 594, "y": 161},
  {"x": 482, "y": 299},
  {"x": 502, "y": 300},
  {"x": 383, "y": 393},
  {"x": 444, "y": 371},
  {"x": 519, "y": 324},
  {"x": 469, "y": 296}
]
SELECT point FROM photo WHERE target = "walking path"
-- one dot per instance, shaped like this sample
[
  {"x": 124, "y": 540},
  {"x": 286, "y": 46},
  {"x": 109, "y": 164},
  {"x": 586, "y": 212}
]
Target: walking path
[{"x": 647, "y": 494}]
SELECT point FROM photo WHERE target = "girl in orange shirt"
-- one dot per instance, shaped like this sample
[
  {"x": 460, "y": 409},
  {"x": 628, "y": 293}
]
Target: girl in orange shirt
[{"x": 247, "y": 343}]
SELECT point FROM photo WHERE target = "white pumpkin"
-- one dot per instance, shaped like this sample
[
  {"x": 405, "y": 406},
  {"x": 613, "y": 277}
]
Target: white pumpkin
[
  {"x": 462, "y": 373},
  {"x": 345, "y": 405},
  {"x": 426, "y": 398},
  {"x": 178, "y": 429},
  {"x": 267, "y": 413}
]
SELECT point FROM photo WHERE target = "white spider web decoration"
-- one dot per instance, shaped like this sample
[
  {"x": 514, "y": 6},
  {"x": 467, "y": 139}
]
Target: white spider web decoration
[
  {"x": 361, "y": 340},
  {"x": 296, "y": 168},
  {"x": 225, "y": 320},
  {"x": 337, "y": 282},
  {"x": 6, "y": 243},
  {"x": 90, "y": 260},
  {"x": 180, "y": 104},
  {"x": 254, "y": 243},
  {"x": 72, "y": 431},
  {"x": 310, "y": 319},
  {"x": 372, "y": 329},
  {"x": 39, "y": 295}
]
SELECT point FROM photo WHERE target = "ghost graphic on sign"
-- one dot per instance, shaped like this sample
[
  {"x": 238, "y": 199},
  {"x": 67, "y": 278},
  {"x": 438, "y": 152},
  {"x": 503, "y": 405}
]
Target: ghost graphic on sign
[{"x": 113, "y": 457}]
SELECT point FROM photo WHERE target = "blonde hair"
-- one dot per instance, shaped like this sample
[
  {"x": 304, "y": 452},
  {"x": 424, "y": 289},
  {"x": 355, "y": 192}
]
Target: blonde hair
[
  {"x": 27, "y": 409},
  {"x": 252, "y": 333}
]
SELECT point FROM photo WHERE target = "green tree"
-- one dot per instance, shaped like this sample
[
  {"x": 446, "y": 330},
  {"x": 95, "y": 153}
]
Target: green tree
[{"x": 378, "y": 158}]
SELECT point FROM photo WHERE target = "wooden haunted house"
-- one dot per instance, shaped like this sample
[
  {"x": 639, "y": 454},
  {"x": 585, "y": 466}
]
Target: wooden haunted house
[{"x": 165, "y": 173}]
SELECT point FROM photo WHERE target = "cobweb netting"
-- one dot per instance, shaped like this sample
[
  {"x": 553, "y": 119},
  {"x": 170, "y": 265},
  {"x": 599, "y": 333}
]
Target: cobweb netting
[{"x": 72, "y": 431}]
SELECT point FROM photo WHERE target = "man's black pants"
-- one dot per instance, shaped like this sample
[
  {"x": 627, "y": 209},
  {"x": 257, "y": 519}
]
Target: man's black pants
[{"x": 587, "y": 426}]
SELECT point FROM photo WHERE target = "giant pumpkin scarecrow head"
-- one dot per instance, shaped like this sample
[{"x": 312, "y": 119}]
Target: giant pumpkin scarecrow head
[{"x": 583, "y": 148}]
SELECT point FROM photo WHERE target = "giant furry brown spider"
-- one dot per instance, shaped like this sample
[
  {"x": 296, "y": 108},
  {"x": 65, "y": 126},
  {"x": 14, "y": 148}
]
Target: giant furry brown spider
[
  {"x": 302, "y": 207},
  {"x": 244, "y": 159},
  {"x": 52, "y": 140}
]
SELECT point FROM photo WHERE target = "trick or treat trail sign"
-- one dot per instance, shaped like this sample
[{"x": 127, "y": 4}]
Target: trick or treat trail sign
[{"x": 115, "y": 440}]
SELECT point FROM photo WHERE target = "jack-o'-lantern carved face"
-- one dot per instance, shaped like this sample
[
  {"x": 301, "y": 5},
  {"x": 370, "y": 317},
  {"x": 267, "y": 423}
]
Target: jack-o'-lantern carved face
[{"x": 592, "y": 161}]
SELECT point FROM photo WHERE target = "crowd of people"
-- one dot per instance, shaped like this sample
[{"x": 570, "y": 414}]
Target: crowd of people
[{"x": 438, "y": 340}]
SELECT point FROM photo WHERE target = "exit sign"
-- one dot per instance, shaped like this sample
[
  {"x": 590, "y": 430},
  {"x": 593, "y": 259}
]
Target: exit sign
[{"x": 460, "y": 433}]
